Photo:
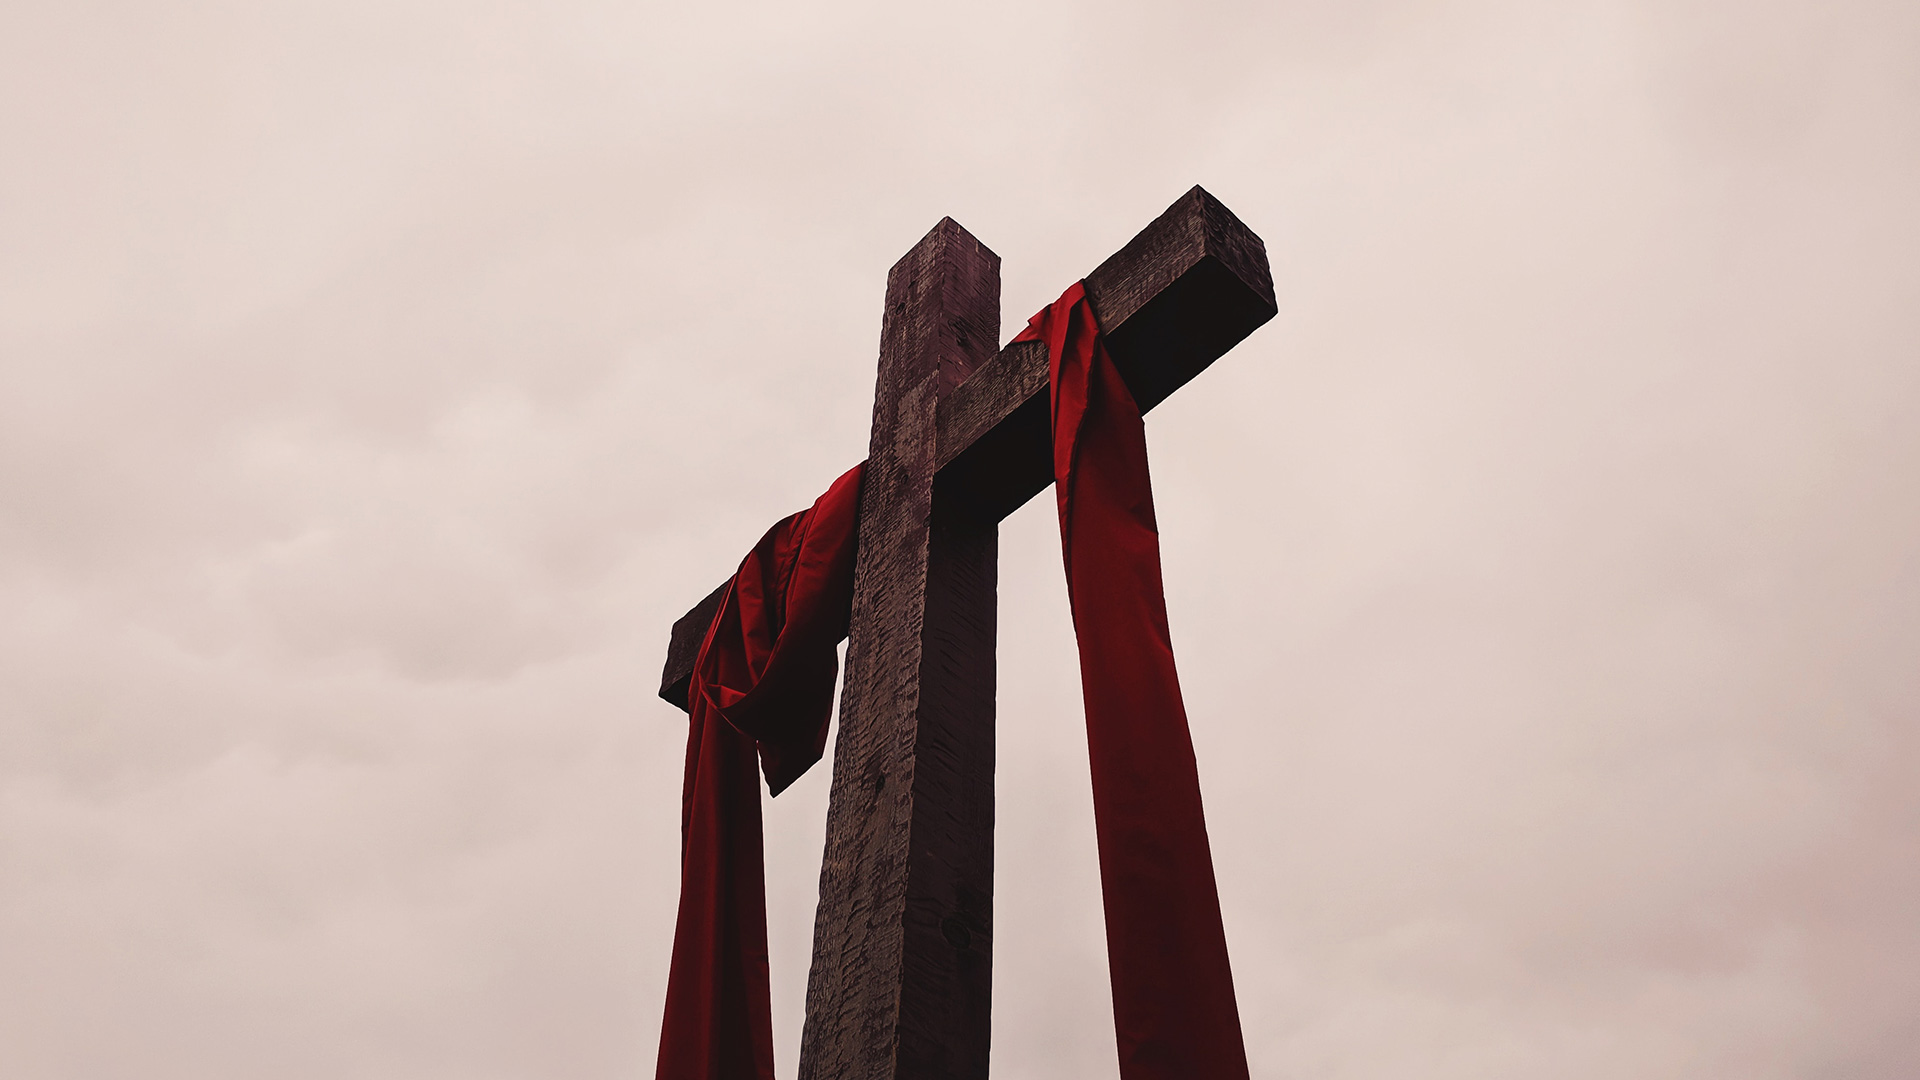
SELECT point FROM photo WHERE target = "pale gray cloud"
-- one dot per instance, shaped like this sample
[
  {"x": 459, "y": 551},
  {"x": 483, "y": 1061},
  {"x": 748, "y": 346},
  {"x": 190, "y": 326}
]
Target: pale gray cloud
[{"x": 379, "y": 381}]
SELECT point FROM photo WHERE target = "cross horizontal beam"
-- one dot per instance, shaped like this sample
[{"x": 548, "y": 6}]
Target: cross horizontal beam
[{"x": 1190, "y": 286}]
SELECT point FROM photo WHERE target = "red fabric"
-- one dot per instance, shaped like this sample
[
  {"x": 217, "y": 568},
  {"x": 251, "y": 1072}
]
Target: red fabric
[
  {"x": 1173, "y": 1004},
  {"x": 764, "y": 680}
]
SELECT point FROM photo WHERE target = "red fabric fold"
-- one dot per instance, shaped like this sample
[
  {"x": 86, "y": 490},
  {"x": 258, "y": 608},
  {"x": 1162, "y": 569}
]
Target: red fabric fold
[
  {"x": 1173, "y": 1003},
  {"x": 763, "y": 683}
]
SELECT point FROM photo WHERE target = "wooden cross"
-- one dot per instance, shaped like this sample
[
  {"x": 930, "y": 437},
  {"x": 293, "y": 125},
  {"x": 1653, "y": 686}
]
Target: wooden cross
[{"x": 902, "y": 943}]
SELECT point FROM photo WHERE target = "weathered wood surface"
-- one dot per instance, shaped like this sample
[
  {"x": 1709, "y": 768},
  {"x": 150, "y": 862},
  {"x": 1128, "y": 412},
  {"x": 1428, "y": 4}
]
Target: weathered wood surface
[
  {"x": 1189, "y": 287},
  {"x": 902, "y": 979},
  {"x": 683, "y": 647}
]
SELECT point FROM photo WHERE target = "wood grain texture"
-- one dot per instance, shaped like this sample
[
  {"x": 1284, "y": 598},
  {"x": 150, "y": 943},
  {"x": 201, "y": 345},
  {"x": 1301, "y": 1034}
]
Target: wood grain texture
[
  {"x": 1189, "y": 287},
  {"x": 901, "y": 978}
]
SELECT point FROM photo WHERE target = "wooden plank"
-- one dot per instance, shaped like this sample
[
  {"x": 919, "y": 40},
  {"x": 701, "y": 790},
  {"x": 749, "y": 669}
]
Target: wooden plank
[
  {"x": 901, "y": 980},
  {"x": 1189, "y": 287},
  {"x": 683, "y": 647}
]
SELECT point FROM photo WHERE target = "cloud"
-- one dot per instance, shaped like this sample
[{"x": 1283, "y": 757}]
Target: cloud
[{"x": 378, "y": 383}]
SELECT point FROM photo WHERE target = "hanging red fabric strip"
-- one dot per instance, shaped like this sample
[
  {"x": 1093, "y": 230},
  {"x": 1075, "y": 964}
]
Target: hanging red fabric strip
[
  {"x": 763, "y": 682},
  {"x": 1173, "y": 1003}
]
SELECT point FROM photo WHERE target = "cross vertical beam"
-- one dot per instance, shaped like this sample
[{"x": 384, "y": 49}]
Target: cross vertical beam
[{"x": 901, "y": 981}]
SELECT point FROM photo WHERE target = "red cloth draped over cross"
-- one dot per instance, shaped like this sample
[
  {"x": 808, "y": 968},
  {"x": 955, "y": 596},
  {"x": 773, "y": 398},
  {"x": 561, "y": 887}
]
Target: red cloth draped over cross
[
  {"x": 763, "y": 683},
  {"x": 762, "y": 686}
]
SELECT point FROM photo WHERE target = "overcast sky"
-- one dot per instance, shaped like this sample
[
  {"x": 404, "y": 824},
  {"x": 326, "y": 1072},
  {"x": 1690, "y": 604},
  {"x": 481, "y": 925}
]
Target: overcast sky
[{"x": 380, "y": 380}]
